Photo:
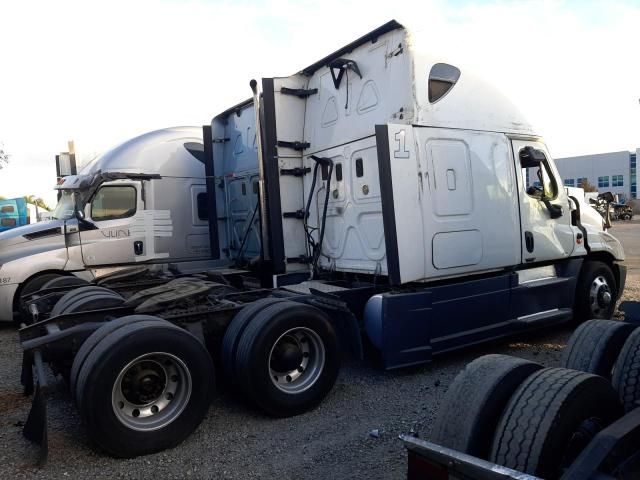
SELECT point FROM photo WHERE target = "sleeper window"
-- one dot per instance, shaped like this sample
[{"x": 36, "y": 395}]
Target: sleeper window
[
  {"x": 203, "y": 208},
  {"x": 442, "y": 78}
]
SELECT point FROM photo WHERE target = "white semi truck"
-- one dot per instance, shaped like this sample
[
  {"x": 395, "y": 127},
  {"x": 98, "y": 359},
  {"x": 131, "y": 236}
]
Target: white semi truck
[{"x": 377, "y": 196}]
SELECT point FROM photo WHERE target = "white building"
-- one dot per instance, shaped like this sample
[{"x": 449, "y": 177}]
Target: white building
[{"x": 613, "y": 172}]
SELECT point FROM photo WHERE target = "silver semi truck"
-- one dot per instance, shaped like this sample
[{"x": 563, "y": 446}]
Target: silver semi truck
[
  {"x": 143, "y": 202},
  {"x": 377, "y": 199}
]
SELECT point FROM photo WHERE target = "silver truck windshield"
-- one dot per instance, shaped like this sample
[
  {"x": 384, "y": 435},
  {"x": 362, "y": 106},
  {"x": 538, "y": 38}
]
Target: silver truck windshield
[{"x": 65, "y": 207}]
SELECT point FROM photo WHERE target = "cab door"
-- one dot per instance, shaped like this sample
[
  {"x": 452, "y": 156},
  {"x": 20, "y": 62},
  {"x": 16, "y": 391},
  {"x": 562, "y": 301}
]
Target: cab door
[
  {"x": 109, "y": 233},
  {"x": 545, "y": 215}
]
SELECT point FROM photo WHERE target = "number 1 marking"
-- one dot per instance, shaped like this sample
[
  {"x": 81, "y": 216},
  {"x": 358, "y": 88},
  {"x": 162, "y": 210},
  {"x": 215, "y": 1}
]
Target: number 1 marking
[{"x": 401, "y": 151}]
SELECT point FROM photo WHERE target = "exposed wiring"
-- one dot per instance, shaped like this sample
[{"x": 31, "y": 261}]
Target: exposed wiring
[{"x": 315, "y": 249}]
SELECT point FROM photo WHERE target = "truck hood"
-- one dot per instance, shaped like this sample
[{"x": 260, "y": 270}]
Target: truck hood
[{"x": 30, "y": 233}]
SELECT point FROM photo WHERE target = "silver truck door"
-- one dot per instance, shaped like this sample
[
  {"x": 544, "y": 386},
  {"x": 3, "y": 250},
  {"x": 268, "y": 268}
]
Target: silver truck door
[
  {"x": 544, "y": 207},
  {"x": 110, "y": 232}
]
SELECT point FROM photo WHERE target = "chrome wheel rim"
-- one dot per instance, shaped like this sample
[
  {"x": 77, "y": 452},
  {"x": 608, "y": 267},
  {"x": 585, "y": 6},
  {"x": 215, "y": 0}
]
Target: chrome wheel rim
[
  {"x": 296, "y": 360},
  {"x": 151, "y": 391},
  {"x": 600, "y": 296}
]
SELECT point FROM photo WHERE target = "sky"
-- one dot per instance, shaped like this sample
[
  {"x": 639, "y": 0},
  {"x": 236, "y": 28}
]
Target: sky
[{"x": 101, "y": 72}]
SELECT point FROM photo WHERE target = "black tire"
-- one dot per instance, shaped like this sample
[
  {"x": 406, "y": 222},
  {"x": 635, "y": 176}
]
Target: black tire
[
  {"x": 122, "y": 351},
  {"x": 595, "y": 345},
  {"x": 235, "y": 331},
  {"x": 626, "y": 372},
  {"x": 75, "y": 294},
  {"x": 472, "y": 407},
  {"x": 546, "y": 423},
  {"x": 589, "y": 306},
  {"x": 65, "y": 281},
  {"x": 36, "y": 283},
  {"x": 93, "y": 301},
  {"x": 284, "y": 324},
  {"x": 94, "y": 339}
]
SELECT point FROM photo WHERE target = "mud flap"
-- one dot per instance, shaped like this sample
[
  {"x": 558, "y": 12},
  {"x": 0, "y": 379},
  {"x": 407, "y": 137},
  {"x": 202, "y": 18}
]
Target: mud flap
[{"x": 35, "y": 428}]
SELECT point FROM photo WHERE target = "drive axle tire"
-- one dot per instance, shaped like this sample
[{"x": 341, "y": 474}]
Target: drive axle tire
[
  {"x": 144, "y": 388},
  {"x": 626, "y": 373},
  {"x": 595, "y": 345},
  {"x": 472, "y": 407},
  {"x": 288, "y": 359},
  {"x": 596, "y": 292},
  {"x": 236, "y": 329},
  {"x": 65, "y": 281},
  {"x": 77, "y": 293},
  {"x": 549, "y": 420},
  {"x": 95, "y": 338}
]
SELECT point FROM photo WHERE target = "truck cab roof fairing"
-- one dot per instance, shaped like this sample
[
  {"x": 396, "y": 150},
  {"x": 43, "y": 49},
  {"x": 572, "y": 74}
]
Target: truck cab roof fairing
[
  {"x": 470, "y": 103},
  {"x": 164, "y": 152}
]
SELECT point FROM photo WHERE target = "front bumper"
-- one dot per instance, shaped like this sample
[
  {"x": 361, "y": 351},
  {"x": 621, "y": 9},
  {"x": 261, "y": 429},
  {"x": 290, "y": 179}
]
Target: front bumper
[{"x": 7, "y": 294}]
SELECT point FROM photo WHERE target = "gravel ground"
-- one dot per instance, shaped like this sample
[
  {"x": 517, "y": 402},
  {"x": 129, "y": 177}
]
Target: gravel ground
[{"x": 235, "y": 441}]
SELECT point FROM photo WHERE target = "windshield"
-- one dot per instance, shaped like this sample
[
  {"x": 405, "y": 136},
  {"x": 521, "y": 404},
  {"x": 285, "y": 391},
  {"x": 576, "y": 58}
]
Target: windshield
[{"x": 66, "y": 206}]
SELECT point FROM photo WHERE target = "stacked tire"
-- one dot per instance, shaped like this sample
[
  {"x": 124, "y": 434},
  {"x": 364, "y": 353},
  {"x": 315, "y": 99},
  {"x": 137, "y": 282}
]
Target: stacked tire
[{"x": 536, "y": 420}]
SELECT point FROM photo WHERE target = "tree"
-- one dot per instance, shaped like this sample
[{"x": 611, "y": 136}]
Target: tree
[
  {"x": 38, "y": 202},
  {"x": 587, "y": 187},
  {"x": 4, "y": 156}
]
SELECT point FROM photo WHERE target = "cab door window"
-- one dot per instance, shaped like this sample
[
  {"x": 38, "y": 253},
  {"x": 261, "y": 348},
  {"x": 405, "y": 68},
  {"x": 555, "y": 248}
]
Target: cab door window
[
  {"x": 113, "y": 203},
  {"x": 544, "y": 185}
]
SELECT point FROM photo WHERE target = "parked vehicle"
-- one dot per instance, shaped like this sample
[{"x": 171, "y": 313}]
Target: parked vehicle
[
  {"x": 622, "y": 211},
  {"x": 143, "y": 202},
  {"x": 13, "y": 213},
  {"x": 508, "y": 418},
  {"x": 376, "y": 196}
]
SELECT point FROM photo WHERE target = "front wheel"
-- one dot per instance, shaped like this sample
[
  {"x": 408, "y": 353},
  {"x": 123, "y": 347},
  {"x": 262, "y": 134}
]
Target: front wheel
[
  {"x": 596, "y": 292},
  {"x": 144, "y": 387}
]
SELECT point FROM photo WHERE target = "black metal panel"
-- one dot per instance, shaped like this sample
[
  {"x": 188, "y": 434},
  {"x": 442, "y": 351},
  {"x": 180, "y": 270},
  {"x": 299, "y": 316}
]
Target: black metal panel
[
  {"x": 212, "y": 210},
  {"x": 388, "y": 208},
  {"x": 369, "y": 37},
  {"x": 272, "y": 178}
]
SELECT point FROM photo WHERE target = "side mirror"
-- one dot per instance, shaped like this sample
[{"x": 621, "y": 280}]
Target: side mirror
[
  {"x": 531, "y": 157},
  {"x": 79, "y": 214},
  {"x": 555, "y": 211}
]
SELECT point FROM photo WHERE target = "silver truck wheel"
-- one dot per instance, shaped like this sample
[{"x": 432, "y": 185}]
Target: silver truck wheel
[
  {"x": 144, "y": 387},
  {"x": 600, "y": 297},
  {"x": 95, "y": 338},
  {"x": 596, "y": 292},
  {"x": 296, "y": 360},
  {"x": 151, "y": 391},
  {"x": 287, "y": 359}
]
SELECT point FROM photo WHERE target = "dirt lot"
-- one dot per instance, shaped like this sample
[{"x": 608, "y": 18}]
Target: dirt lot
[{"x": 235, "y": 441}]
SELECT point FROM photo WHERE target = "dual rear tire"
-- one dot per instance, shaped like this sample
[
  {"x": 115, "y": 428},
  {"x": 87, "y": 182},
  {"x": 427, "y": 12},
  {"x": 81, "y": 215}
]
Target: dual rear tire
[
  {"x": 282, "y": 356},
  {"x": 141, "y": 385}
]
